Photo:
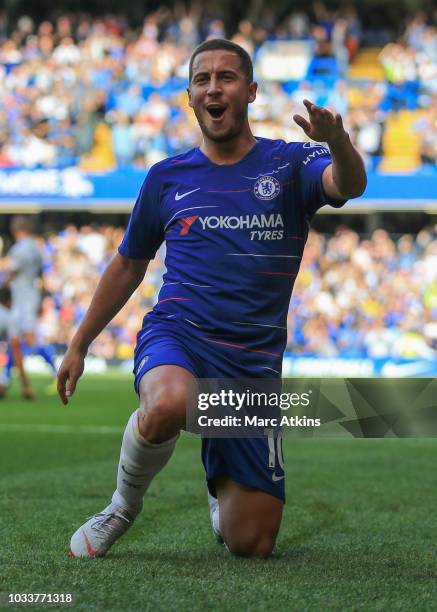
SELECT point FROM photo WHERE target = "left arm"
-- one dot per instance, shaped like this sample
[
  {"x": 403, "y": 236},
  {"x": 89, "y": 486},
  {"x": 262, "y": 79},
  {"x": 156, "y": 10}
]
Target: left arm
[
  {"x": 346, "y": 177},
  {"x": 7, "y": 265}
]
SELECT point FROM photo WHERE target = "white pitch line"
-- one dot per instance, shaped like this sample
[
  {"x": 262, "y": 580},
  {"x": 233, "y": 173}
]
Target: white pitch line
[{"x": 64, "y": 429}]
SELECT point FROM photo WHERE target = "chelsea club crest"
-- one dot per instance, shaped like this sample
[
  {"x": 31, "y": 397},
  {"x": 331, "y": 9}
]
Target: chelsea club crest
[{"x": 267, "y": 187}]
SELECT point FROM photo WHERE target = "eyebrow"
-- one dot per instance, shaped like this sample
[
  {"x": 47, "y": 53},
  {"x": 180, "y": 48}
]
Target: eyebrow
[{"x": 207, "y": 73}]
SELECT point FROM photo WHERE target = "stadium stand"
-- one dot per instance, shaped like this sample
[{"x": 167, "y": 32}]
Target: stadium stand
[
  {"x": 99, "y": 93},
  {"x": 355, "y": 296},
  {"x": 96, "y": 94}
]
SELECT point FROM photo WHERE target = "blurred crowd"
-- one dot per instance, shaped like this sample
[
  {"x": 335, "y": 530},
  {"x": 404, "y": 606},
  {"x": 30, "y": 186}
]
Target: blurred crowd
[
  {"x": 372, "y": 297},
  {"x": 413, "y": 57},
  {"x": 100, "y": 93}
]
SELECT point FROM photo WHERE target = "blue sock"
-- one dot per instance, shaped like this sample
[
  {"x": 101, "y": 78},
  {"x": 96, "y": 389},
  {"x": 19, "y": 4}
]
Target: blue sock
[
  {"x": 26, "y": 349},
  {"x": 9, "y": 364},
  {"x": 47, "y": 353}
]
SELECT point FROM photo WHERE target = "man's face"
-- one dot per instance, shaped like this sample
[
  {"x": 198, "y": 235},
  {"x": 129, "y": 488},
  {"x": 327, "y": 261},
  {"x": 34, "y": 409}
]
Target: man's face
[{"x": 219, "y": 93}]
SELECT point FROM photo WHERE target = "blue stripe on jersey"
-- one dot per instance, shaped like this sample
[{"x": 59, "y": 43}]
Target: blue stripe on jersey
[{"x": 234, "y": 235}]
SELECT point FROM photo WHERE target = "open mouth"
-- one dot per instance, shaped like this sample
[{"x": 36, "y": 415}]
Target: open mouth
[{"x": 216, "y": 111}]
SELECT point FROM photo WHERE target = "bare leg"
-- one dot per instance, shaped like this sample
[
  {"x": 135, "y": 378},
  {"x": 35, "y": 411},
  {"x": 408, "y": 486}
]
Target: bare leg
[
  {"x": 249, "y": 519},
  {"x": 163, "y": 398}
]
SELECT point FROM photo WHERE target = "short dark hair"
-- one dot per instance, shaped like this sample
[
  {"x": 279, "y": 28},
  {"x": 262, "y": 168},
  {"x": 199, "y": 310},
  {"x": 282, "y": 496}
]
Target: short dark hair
[
  {"x": 22, "y": 223},
  {"x": 227, "y": 45}
]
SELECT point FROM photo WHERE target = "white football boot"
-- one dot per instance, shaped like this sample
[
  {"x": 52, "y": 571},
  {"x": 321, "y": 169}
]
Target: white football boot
[
  {"x": 99, "y": 533},
  {"x": 214, "y": 514}
]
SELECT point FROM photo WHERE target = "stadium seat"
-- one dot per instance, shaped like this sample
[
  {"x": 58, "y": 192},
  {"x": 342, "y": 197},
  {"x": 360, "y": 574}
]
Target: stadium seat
[
  {"x": 401, "y": 144},
  {"x": 366, "y": 66},
  {"x": 101, "y": 157}
]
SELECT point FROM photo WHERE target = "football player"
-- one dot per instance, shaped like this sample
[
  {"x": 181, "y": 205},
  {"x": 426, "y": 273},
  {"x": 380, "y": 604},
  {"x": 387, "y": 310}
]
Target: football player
[
  {"x": 234, "y": 214},
  {"x": 23, "y": 265},
  {"x": 9, "y": 331}
]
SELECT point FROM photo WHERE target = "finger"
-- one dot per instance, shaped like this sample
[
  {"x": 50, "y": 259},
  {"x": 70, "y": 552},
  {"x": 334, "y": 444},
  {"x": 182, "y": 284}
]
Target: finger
[
  {"x": 62, "y": 379},
  {"x": 311, "y": 108},
  {"x": 301, "y": 122},
  {"x": 318, "y": 114},
  {"x": 71, "y": 386},
  {"x": 339, "y": 121},
  {"x": 327, "y": 115},
  {"x": 315, "y": 112},
  {"x": 322, "y": 114}
]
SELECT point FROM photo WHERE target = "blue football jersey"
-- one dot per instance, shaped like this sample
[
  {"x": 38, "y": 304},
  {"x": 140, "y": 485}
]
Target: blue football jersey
[{"x": 234, "y": 235}]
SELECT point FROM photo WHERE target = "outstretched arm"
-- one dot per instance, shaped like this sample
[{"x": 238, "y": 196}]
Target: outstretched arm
[
  {"x": 119, "y": 281},
  {"x": 346, "y": 177}
]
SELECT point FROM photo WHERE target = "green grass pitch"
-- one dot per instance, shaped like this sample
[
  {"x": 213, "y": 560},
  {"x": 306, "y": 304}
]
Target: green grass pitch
[{"x": 359, "y": 529}]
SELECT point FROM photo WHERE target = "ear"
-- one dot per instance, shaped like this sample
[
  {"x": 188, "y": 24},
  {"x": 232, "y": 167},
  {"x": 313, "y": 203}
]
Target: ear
[
  {"x": 190, "y": 104},
  {"x": 253, "y": 87}
]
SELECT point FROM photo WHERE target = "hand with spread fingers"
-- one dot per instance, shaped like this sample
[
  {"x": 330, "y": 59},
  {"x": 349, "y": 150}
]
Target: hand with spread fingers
[{"x": 322, "y": 126}]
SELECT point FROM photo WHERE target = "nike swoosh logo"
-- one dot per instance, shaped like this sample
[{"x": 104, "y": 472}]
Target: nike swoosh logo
[
  {"x": 179, "y": 197},
  {"x": 276, "y": 478},
  {"x": 90, "y": 550}
]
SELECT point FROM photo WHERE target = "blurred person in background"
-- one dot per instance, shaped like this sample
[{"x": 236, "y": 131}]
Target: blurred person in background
[
  {"x": 9, "y": 333},
  {"x": 23, "y": 267}
]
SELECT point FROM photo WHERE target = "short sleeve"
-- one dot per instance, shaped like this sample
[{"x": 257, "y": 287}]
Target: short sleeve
[
  {"x": 311, "y": 159},
  {"x": 144, "y": 233}
]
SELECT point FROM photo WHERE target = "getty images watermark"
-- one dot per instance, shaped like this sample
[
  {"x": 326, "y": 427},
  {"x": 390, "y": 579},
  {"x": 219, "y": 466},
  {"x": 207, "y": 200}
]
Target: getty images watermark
[
  {"x": 253, "y": 399},
  {"x": 334, "y": 407},
  {"x": 232, "y": 408}
]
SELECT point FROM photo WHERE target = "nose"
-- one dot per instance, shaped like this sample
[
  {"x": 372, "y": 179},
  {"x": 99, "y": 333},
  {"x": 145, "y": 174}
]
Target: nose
[{"x": 214, "y": 86}]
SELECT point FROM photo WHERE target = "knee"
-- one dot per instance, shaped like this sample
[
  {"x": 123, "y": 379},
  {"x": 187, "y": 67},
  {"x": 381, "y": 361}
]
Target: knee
[
  {"x": 162, "y": 413},
  {"x": 260, "y": 545}
]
